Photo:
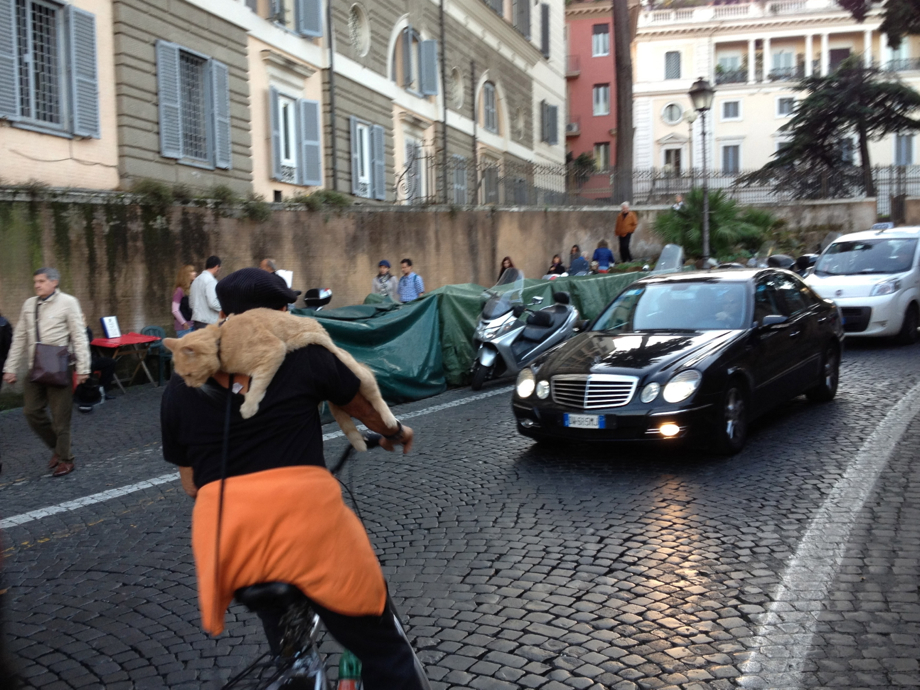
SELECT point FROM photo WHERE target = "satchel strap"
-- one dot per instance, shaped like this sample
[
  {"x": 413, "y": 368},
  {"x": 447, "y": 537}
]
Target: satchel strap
[{"x": 38, "y": 338}]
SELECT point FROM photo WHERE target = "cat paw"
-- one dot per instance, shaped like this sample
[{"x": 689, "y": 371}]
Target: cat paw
[
  {"x": 247, "y": 410},
  {"x": 357, "y": 442}
]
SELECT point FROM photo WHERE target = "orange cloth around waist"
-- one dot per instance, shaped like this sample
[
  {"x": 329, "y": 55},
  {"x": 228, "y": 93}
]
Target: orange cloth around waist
[{"x": 284, "y": 525}]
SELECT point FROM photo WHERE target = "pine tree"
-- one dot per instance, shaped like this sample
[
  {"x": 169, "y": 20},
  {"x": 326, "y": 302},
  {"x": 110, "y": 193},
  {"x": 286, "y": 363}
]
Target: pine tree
[
  {"x": 899, "y": 17},
  {"x": 854, "y": 99}
]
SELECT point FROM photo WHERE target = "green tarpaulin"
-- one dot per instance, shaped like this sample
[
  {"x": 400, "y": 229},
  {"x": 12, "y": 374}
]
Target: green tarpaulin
[
  {"x": 416, "y": 350},
  {"x": 402, "y": 346}
]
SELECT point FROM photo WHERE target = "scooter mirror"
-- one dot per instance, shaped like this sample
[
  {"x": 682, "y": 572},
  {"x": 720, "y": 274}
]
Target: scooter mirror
[{"x": 536, "y": 300}]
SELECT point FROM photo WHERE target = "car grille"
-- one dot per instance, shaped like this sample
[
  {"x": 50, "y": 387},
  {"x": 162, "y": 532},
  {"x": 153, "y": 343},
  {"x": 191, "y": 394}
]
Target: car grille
[
  {"x": 594, "y": 391},
  {"x": 856, "y": 319}
]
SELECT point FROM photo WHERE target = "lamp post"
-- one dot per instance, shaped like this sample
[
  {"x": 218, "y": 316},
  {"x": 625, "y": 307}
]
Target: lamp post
[
  {"x": 690, "y": 118},
  {"x": 701, "y": 94}
]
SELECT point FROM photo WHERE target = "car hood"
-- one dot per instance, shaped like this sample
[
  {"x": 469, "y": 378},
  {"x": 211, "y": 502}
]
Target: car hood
[
  {"x": 634, "y": 353},
  {"x": 837, "y": 287}
]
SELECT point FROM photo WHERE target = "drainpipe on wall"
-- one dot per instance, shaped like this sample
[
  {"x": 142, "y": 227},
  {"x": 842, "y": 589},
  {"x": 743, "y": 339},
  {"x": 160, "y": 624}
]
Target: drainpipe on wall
[
  {"x": 444, "y": 101},
  {"x": 332, "y": 144},
  {"x": 473, "y": 99}
]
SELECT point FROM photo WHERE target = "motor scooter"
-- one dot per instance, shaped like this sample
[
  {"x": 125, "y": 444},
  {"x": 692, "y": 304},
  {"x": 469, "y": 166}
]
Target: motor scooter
[
  {"x": 505, "y": 340},
  {"x": 315, "y": 299}
]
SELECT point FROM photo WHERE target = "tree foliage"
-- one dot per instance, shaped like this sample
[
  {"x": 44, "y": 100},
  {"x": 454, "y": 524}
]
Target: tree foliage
[
  {"x": 899, "y": 17},
  {"x": 852, "y": 99},
  {"x": 730, "y": 227}
]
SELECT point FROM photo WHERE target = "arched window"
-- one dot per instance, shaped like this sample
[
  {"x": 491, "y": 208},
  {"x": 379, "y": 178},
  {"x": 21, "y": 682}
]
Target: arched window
[
  {"x": 489, "y": 111},
  {"x": 415, "y": 63}
]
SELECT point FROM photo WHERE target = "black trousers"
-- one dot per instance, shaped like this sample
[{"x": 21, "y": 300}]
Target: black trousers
[
  {"x": 387, "y": 659},
  {"x": 624, "y": 248},
  {"x": 106, "y": 368}
]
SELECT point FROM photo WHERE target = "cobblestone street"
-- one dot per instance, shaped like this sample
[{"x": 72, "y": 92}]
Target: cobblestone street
[{"x": 515, "y": 565}]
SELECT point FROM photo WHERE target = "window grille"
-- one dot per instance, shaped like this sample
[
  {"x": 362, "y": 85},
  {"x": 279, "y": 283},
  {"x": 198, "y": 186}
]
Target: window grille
[
  {"x": 192, "y": 88},
  {"x": 39, "y": 38}
]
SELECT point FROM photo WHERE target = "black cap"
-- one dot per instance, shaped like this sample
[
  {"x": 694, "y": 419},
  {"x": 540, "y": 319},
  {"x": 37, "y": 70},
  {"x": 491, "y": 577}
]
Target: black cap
[{"x": 251, "y": 288}]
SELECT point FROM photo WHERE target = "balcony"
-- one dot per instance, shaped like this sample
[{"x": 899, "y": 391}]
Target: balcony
[
  {"x": 742, "y": 11},
  {"x": 573, "y": 126},
  {"x": 733, "y": 76},
  {"x": 787, "y": 73},
  {"x": 902, "y": 65},
  {"x": 572, "y": 66}
]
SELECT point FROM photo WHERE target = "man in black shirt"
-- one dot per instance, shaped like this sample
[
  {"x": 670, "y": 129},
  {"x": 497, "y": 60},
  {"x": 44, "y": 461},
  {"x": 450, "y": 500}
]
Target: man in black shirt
[{"x": 283, "y": 517}]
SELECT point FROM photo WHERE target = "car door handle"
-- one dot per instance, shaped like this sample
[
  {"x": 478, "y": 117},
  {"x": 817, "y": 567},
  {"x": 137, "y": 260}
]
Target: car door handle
[
  {"x": 795, "y": 334},
  {"x": 822, "y": 319}
]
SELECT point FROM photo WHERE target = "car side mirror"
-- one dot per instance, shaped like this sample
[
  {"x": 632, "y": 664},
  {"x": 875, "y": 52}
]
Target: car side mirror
[
  {"x": 536, "y": 300},
  {"x": 773, "y": 320}
]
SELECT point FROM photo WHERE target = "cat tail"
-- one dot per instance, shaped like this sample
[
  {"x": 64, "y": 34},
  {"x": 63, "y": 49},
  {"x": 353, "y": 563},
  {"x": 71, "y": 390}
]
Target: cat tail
[{"x": 347, "y": 424}]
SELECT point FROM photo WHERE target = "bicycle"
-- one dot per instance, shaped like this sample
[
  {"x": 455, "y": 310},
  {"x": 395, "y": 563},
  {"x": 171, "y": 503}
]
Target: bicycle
[{"x": 300, "y": 664}]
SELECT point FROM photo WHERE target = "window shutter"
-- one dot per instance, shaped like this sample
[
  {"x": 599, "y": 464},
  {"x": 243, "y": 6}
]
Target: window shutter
[
  {"x": 170, "y": 110},
  {"x": 220, "y": 104},
  {"x": 355, "y": 161},
  {"x": 309, "y": 17},
  {"x": 9, "y": 52},
  {"x": 379, "y": 162},
  {"x": 544, "y": 37},
  {"x": 543, "y": 122},
  {"x": 553, "y": 111},
  {"x": 311, "y": 161},
  {"x": 429, "y": 68},
  {"x": 522, "y": 17},
  {"x": 274, "y": 114},
  {"x": 407, "y": 57},
  {"x": 84, "y": 79}
]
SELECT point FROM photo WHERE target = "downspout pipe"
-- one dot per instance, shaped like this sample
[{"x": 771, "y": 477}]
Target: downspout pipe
[
  {"x": 475, "y": 142},
  {"x": 444, "y": 103},
  {"x": 333, "y": 149}
]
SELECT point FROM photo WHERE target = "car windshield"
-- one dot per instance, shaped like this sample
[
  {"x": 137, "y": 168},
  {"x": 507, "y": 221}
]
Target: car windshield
[
  {"x": 679, "y": 306},
  {"x": 884, "y": 255},
  {"x": 503, "y": 296}
]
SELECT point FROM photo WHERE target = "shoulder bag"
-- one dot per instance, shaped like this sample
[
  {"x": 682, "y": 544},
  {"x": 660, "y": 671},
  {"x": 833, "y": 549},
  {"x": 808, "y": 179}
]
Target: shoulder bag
[{"x": 51, "y": 366}]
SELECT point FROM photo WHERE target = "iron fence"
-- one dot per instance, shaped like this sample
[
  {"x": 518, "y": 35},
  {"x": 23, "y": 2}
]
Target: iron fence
[{"x": 488, "y": 181}]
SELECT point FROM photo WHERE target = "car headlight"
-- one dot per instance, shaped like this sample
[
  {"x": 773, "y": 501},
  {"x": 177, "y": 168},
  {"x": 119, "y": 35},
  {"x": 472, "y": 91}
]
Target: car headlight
[
  {"x": 682, "y": 386},
  {"x": 543, "y": 390},
  {"x": 888, "y": 287},
  {"x": 525, "y": 383},
  {"x": 650, "y": 392}
]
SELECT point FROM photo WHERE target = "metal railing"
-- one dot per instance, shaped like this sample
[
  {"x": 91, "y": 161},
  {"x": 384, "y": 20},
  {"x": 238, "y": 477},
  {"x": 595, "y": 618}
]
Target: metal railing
[
  {"x": 902, "y": 65},
  {"x": 514, "y": 183},
  {"x": 735, "y": 76}
]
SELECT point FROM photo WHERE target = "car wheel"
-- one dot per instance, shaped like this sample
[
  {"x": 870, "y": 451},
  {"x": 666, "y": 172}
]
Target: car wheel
[
  {"x": 732, "y": 425},
  {"x": 480, "y": 373},
  {"x": 830, "y": 377},
  {"x": 908, "y": 332}
]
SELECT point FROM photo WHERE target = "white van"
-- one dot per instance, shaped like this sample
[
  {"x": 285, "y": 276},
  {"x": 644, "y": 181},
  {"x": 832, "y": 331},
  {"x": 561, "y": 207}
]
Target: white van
[{"x": 874, "y": 279}]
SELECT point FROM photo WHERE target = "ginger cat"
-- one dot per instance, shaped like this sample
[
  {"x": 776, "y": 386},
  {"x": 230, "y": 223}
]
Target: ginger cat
[{"x": 255, "y": 343}]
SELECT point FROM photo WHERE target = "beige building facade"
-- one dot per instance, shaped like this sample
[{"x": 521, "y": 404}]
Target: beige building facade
[{"x": 753, "y": 54}]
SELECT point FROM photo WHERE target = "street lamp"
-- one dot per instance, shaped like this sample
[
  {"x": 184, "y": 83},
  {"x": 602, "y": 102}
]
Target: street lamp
[
  {"x": 690, "y": 118},
  {"x": 701, "y": 94}
]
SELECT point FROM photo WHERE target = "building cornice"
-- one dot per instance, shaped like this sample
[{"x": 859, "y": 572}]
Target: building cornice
[
  {"x": 276, "y": 59},
  {"x": 588, "y": 11},
  {"x": 501, "y": 30},
  {"x": 838, "y": 20}
]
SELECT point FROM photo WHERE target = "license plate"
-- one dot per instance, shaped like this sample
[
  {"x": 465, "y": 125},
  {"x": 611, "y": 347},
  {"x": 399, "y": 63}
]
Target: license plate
[{"x": 583, "y": 421}]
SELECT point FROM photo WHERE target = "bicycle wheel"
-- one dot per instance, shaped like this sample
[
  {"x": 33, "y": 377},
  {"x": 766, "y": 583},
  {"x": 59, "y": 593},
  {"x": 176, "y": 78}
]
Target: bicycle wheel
[{"x": 307, "y": 671}]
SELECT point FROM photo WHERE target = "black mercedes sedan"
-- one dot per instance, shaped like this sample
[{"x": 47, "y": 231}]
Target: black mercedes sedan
[{"x": 692, "y": 356}]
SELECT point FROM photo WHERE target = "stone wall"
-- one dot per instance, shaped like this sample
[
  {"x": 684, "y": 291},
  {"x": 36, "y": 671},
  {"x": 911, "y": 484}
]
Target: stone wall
[{"x": 120, "y": 258}]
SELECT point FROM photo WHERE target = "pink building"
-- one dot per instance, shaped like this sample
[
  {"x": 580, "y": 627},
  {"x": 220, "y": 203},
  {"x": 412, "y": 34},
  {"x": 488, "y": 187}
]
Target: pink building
[{"x": 590, "y": 75}]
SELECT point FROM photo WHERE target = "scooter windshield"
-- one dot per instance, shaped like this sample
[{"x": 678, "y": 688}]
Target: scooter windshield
[{"x": 504, "y": 295}]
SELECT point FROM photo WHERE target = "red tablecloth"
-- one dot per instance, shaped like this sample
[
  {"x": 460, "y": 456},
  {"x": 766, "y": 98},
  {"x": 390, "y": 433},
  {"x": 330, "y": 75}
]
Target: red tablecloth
[{"x": 126, "y": 339}]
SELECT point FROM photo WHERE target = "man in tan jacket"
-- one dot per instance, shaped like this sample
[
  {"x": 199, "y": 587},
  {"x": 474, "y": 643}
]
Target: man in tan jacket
[
  {"x": 626, "y": 225},
  {"x": 60, "y": 322}
]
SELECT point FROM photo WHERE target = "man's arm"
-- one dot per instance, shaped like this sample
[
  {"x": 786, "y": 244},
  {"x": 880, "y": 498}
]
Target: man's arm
[
  {"x": 20, "y": 338},
  {"x": 76, "y": 324},
  {"x": 361, "y": 409},
  {"x": 211, "y": 294}
]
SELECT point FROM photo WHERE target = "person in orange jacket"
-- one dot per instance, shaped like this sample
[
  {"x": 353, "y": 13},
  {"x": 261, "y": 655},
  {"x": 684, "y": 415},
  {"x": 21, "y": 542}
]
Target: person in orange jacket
[{"x": 625, "y": 227}]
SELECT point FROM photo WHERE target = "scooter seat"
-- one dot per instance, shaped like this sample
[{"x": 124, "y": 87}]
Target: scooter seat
[
  {"x": 542, "y": 323},
  {"x": 269, "y": 596}
]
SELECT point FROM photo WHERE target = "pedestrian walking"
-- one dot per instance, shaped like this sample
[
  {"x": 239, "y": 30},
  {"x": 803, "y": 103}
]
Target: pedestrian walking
[
  {"x": 385, "y": 283},
  {"x": 411, "y": 286},
  {"x": 51, "y": 319},
  {"x": 181, "y": 306},
  {"x": 625, "y": 226},
  {"x": 203, "y": 298},
  {"x": 603, "y": 256}
]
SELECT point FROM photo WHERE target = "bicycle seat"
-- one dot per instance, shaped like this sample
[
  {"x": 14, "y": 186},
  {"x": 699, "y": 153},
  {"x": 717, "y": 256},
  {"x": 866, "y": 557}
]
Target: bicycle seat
[{"x": 278, "y": 596}]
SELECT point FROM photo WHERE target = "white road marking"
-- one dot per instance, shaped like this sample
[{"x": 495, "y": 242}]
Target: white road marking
[
  {"x": 784, "y": 637},
  {"x": 68, "y": 506}
]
